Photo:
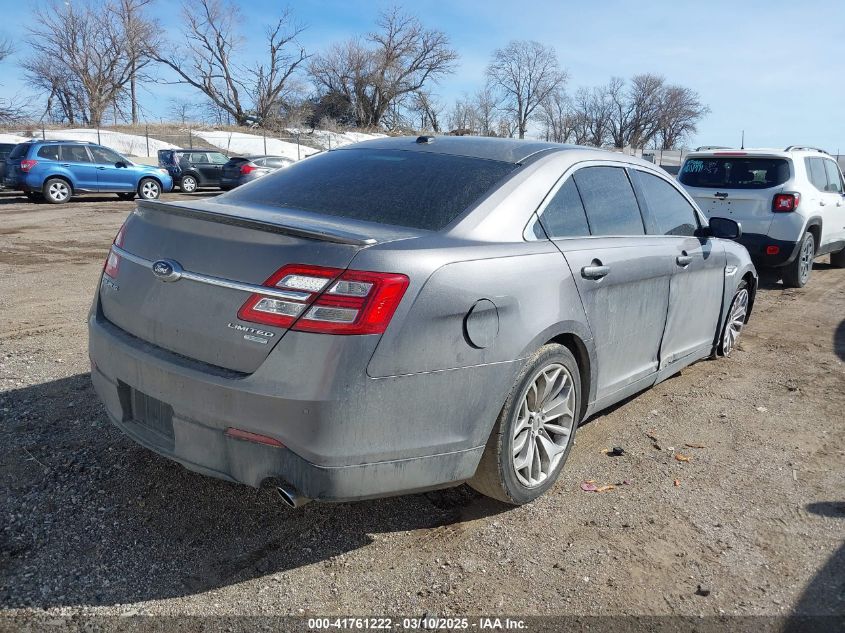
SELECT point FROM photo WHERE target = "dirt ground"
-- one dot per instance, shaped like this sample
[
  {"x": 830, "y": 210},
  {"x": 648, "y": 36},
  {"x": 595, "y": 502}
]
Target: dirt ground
[{"x": 94, "y": 524}]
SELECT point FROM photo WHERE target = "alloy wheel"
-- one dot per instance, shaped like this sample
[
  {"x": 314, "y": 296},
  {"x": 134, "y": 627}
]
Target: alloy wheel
[
  {"x": 808, "y": 250},
  {"x": 736, "y": 321},
  {"x": 58, "y": 191},
  {"x": 150, "y": 190},
  {"x": 544, "y": 425}
]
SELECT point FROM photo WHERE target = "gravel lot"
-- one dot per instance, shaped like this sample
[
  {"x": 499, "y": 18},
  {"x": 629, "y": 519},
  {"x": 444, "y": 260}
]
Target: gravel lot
[{"x": 93, "y": 524}]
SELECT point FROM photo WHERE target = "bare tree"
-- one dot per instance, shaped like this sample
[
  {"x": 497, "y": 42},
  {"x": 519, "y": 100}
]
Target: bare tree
[
  {"x": 636, "y": 109},
  {"x": 142, "y": 40},
  {"x": 81, "y": 57},
  {"x": 376, "y": 74},
  {"x": 682, "y": 110},
  {"x": 525, "y": 73},
  {"x": 463, "y": 118},
  {"x": 428, "y": 110},
  {"x": 10, "y": 109},
  {"x": 558, "y": 117},
  {"x": 208, "y": 60},
  {"x": 183, "y": 111},
  {"x": 485, "y": 103},
  {"x": 592, "y": 109}
]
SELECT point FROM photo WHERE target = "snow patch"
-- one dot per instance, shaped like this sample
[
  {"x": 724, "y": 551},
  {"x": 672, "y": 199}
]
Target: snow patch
[
  {"x": 128, "y": 144},
  {"x": 254, "y": 144}
]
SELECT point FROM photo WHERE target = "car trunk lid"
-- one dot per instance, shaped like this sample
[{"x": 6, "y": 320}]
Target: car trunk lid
[
  {"x": 752, "y": 209},
  {"x": 223, "y": 252}
]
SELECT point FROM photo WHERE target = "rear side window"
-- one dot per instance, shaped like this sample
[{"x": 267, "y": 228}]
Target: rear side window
[
  {"x": 609, "y": 200},
  {"x": 276, "y": 162},
  {"x": 735, "y": 172},
  {"x": 834, "y": 178},
  {"x": 197, "y": 158},
  {"x": 50, "y": 152},
  {"x": 217, "y": 159},
  {"x": 816, "y": 173},
  {"x": 403, "y": 188},
  {"x": 74, "y": 153},
  {"x": 19, "y": 151},
  {"x": 669, "y": 210},
  {"x": 564, "y": 216}
]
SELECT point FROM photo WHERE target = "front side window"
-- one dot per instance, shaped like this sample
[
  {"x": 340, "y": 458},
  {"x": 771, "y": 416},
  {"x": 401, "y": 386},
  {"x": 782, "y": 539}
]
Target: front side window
[
  {"x": 197, "y": 159},
  {"x": 734, "y": 172},
  {"x": 105, "y": 156},
  {"x": 564, "y": 215},
  {"x": 670, "y": 211},
  {"x": 609, "y": 201},
  {"x": 834, "y": 177},
  {"x": 74, "y": 154}
]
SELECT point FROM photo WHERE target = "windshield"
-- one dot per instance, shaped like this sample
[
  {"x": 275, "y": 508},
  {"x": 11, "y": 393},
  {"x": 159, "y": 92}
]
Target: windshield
[
  {"x": 403, "y": 188},
  {"x": 735, "y": 172}
]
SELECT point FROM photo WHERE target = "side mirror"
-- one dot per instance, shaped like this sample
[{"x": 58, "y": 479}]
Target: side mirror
[{"x": 725, "y": 228}]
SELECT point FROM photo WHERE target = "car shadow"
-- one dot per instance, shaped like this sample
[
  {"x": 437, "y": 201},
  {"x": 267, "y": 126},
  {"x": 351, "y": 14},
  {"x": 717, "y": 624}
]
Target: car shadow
[
  {"x": 839, "y": 340},
  {"x": 771, "y": 279},
  {"x": 821, "y": 606},
  {"x": 90, "y": 518}
]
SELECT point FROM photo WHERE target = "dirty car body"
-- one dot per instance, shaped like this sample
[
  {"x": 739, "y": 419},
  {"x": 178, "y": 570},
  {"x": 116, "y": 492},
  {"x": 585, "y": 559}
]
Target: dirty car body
[{"x": 464, "y": 274}]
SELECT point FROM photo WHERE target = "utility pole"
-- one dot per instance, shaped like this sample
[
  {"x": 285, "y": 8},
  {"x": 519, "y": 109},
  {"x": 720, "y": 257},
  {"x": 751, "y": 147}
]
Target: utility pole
[{"x": 743, "y": 140}]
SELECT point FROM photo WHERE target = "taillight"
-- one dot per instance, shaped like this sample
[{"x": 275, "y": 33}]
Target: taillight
[
  {"x": 246, "y": 168},
  {"x": 28, "y": 164},
  {"x": 785, "y": 202},
  {"x": 328, "y": 300},
  {"x": 112, "y": 265}
]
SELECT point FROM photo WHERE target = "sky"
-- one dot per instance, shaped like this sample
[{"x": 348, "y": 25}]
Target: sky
[{"x": 771, "y": 68}]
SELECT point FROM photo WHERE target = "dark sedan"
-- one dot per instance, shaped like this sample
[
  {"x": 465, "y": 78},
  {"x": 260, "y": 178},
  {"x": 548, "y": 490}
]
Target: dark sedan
[{"x": 240, "y": 170}]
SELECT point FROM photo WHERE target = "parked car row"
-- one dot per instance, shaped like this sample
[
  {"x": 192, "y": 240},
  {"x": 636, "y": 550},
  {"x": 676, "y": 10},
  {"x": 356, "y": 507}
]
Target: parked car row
[
  {"x": 57, "y": 170},
  {"x": 406, "y": 314},
  {"x": 790, "y": 203},
  {"x": 195, "y": 168}
]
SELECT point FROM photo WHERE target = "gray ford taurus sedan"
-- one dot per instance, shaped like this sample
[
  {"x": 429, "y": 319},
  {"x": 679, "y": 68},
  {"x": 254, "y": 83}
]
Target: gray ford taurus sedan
[{"x": 406, "y": 314}]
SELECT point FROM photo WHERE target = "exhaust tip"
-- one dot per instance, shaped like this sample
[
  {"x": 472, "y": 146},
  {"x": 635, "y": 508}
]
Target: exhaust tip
[{"x": 291, "y": 497}]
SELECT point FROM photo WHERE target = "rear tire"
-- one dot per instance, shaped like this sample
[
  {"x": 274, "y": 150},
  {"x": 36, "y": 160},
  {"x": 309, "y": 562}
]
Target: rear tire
[
  {"x": 735, "y": 321},
  {"x": 57, "y": 191},
  {"x": 837, "y": 260},
  {"x": 797, "y": 274},
  {"x": 534, "y": 431},
  {"x": 188, "y": 184}
]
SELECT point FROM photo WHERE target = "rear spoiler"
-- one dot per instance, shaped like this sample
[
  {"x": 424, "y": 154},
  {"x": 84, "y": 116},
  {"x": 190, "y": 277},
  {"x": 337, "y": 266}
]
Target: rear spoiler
[{"x": 264, "y": 222}]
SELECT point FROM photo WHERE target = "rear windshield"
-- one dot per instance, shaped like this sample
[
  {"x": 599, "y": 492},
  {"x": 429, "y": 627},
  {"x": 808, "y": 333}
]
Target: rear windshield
[
  {"x": 735, "y": 172},
  {"x": 403, "y": 188}
]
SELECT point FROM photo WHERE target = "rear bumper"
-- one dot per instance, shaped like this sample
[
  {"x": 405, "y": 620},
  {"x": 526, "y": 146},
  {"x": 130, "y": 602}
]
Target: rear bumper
[
  {"x": 344, "y": 438},
  {"x": 769, "y": 252}
]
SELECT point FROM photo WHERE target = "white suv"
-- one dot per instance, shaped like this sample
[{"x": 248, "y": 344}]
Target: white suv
[{"x": 790, "y": 203}]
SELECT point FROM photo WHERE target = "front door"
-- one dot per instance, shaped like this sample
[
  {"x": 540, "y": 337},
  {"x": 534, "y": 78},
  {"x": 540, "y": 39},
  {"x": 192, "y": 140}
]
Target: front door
[
  {"x": 696, "y": 289},
  {"x": 112, "y": 170}
]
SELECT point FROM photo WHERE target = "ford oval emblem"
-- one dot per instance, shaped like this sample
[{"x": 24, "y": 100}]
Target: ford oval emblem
[{"x": 167, "y": 270}]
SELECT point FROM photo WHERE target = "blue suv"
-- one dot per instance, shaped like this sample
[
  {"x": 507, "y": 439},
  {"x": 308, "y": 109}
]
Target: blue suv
[{"x": 57, "y": 170}]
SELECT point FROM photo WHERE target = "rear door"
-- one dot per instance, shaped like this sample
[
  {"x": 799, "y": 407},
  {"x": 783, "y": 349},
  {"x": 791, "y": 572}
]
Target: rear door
[
  {"x": 212, "y": 168},
  {"x": 110, "y": 177},
  {"x": 836, "y": 210},
  {"x": 621, "y": 273},
  {"x": 698, "y": 277},
  {"x": 77, "y": 159}
]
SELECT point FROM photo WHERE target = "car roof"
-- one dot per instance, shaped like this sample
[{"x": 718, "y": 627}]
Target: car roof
[
  {"x": 507, "y": 150},
  {"x": 758, "y": 151}
]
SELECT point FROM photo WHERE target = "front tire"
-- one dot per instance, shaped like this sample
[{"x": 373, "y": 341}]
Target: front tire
[
  {"x": 188, "y": 184},
  {"x": 149, "y": 189},
  {"x": 737, "y": 315},
  {"x": 534, "y": 431},
  {"x": 57, "y": 191},
  {"x": 797, "y": 274}
]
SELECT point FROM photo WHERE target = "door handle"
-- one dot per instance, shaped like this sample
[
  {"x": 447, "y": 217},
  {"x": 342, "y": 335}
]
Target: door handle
[
  {"x": 101, "y": 168},
  {"x": 683, "y": 260},
  {"x": 65, "y": 164},
  {"x": 595, "y": 272}
]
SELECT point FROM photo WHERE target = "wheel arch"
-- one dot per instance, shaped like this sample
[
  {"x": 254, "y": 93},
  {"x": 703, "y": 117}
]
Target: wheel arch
[
  {"x": 583, "y": 356},
  {"x": 814, "y": 226}
]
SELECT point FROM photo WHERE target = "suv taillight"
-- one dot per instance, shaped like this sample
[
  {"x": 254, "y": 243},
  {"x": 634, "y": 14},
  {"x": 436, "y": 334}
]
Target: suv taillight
[
  {"x": 329, "y": 301},
  {"x": 112, "y": 265},
  {"x": 28, "y": 164},
  {"x": 246, "y": 168},
  {"x": 785, "y": 202}
]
